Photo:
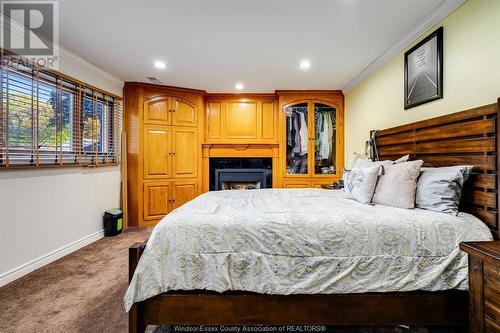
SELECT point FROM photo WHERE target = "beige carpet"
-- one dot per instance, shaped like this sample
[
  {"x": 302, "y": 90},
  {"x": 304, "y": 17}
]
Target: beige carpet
[{"x": 83, "y": 292}]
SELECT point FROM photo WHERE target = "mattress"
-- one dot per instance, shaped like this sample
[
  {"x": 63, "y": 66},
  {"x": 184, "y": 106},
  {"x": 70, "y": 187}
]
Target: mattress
[{"x": 302, "y": 241}]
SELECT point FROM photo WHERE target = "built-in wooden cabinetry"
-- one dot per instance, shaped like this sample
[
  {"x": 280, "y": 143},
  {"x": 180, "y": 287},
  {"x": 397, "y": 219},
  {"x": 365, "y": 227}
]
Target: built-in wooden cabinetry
[
  {"x": 172, "y": 133},
  {"x": 312, "y": 137},
  {"x": 234, "y": 118},
  {"x": 164, "y": 129}
]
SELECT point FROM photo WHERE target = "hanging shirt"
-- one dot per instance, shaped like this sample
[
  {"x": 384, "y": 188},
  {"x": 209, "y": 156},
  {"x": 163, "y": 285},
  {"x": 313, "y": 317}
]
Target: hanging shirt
[
  {"x": 319, "y": 125},
  {"x": 303, "y": 134},
  {"x": 289, "y": 131},
  {"x": 296, "y": 129},
  {"x": 325, "y": 137}
]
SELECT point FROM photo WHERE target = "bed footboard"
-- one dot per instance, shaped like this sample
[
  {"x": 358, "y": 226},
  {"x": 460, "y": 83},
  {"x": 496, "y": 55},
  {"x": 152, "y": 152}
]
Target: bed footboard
[
  {"x": 420, "y": 308},
  {"x": 440, "y": 308},
  {"x": 135, "y": 315}
]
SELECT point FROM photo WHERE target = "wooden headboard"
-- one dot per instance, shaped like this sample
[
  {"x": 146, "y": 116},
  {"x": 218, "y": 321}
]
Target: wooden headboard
[{"x": 469, "y": 137}]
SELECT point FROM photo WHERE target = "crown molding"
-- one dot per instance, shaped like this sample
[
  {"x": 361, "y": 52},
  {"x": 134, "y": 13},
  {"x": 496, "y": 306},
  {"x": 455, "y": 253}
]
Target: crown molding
[
  {"x": 70, "y": 57},
  {"x": 76, "y": 59},
  {"x": 439, "y": 13}
]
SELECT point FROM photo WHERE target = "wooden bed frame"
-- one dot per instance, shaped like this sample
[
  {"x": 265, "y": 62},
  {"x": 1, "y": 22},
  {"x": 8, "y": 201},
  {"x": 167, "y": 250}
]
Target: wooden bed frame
[{"x": 467, "y": 137}]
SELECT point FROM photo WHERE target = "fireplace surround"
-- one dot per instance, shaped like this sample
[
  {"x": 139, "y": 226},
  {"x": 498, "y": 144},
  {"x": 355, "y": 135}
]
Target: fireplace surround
[
  {"x": 240, "y": 173},
  {"x": 267, "y": 155}
]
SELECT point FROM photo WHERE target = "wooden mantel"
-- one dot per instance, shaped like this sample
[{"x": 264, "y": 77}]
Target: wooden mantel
[{"x": 240, "y": 150}]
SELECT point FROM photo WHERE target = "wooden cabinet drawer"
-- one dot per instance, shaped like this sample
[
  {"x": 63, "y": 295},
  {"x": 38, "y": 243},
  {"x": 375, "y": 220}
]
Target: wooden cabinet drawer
[
  {"x": 491, "y": 325},
  {"x": 318, "y": 183},
  {"x": 484, "y": 285},
  {"x": 296, "y": 184},
  {"x": 492, "y": 274},
  {"x": 306, "y": 183},
  {"x": 492, "y": 292}
]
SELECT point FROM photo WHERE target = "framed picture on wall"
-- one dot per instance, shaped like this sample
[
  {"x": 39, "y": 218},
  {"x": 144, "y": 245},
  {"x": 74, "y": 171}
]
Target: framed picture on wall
[{"x": 424, "y": 70}]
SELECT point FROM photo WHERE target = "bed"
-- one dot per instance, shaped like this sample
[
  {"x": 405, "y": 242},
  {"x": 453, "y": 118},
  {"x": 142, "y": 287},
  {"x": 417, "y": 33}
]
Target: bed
[{"x": 315, "y": 258}]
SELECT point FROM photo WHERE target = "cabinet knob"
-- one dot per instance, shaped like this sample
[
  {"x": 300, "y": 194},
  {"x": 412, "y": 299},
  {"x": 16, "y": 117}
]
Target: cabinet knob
[{"x": 475, "y": 268}]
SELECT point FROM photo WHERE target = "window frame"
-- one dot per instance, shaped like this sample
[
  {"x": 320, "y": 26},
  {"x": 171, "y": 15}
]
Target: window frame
[{"x": 29, "y": 158}]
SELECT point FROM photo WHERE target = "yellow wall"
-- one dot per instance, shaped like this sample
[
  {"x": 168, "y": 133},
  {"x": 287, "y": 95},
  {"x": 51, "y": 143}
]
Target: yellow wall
[{"x": 471, "y": 76}]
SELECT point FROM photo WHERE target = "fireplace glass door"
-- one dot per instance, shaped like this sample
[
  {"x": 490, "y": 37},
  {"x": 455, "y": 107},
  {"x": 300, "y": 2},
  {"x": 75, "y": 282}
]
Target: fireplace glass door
[
  {"x": 297, "y": 139},
  {"x": 325, "y": 133}
]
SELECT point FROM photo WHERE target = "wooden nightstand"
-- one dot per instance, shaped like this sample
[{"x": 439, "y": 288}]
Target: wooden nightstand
[{"x": 484, "y": 285}]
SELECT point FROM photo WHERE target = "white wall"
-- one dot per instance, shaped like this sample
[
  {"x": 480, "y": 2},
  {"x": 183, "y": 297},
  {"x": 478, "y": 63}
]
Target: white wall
[
  {"x": 46, "y": 214},
  {"x": 471, "y": 76}
]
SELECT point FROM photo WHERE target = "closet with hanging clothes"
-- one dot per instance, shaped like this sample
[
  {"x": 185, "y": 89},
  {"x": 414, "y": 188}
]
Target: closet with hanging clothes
[
  {"x": 325, "y": 128},
  {"x": 297, "y": 139},
  {"x": 312, "y": 138}
]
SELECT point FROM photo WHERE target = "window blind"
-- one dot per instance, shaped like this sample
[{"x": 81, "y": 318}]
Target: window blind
[{"x": 50, "y": 120}]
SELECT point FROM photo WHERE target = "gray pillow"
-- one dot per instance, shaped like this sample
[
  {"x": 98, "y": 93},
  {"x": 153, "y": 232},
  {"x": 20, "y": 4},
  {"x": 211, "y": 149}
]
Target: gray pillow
[
  {"x": 440, "y": 189},
  {"x": 359, "y": 184},
  {"x": 397, "y": 185}
]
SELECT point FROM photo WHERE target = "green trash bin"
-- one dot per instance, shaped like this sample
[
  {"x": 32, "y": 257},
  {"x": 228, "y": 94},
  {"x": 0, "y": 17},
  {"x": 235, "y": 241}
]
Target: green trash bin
[{"x": 113, "y": 222}]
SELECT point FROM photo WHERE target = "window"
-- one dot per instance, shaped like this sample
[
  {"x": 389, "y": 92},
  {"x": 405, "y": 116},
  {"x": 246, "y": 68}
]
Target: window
[{"x": 46, "y": 119}]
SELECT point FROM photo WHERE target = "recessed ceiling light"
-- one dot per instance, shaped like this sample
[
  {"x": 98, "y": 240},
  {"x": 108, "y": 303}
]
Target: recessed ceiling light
[
  {"x": 239, "y": 86},
  {"x": 305, "y": 64},
  {"x": 160, "y": 64}
]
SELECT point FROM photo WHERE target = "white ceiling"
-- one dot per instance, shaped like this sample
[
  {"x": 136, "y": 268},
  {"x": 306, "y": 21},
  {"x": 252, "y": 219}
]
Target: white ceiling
[{"x": 212, "y": 44}]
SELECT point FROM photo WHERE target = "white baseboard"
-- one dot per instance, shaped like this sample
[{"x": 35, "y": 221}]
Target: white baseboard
[{"x": 29, "y": 267}]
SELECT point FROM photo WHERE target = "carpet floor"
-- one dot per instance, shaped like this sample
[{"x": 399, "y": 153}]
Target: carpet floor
[{"x": 83, "y": 292}]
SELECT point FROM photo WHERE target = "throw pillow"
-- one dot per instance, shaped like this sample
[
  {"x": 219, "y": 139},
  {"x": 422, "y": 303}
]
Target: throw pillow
[{"x": 397, "y": 185}]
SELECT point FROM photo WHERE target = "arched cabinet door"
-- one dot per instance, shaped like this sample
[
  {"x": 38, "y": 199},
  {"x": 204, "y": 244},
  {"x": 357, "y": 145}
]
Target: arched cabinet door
[
  {"x": 312, "y": 140},
  {"x": 183, "y": 112},
  {"x": 174, "y": 111},
  {"x": 157, "y": 111},
  {"x": 325, "y": 139},
  {"x": 298, "y": 140}
]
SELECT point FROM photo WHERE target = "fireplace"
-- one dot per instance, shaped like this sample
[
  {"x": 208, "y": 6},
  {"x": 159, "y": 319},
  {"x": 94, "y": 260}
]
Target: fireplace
[{"x": 240, "y": 173}]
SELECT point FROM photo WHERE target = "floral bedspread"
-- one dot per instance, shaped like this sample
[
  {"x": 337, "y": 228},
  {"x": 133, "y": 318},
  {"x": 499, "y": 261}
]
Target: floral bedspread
[{"x": 302, "y": 241}]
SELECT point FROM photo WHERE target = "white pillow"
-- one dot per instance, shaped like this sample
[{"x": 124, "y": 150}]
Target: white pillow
[
  {"x": 360, "y": 183},
  {"x": 352, "y": 160},
  {"x": 363, "y": 163}
]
